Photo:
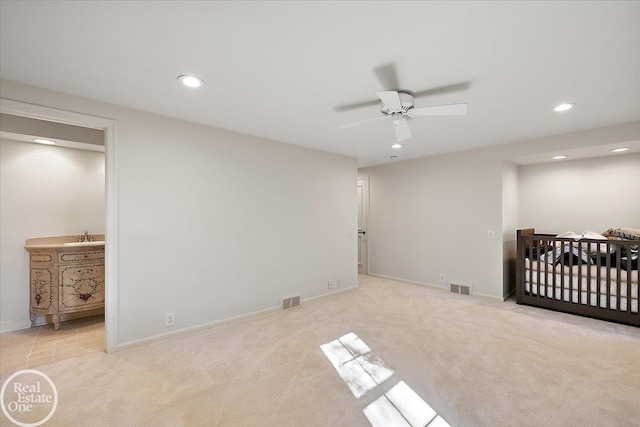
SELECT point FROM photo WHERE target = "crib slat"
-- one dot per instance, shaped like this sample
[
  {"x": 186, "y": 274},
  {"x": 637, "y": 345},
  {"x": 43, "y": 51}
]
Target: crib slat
[
  {"x": 543, "y": 268},
  {"x": 562, "y": 275},
  {"x": 571, "y": 271},
  {"x": 538, "y": 243},
  {"x": 589, "y": 274},
  {"x": 629, "y": 262},
  {"x": 528, "y": 250},
  {"x": 547, "y": 280},
  {"x": 618, "y": 274},
  {"x": 579, "y": 284},
  {"x": 608, "y": 275},
  {"x": 598, "y": 279},
  {"x": 554, "y": 289}
]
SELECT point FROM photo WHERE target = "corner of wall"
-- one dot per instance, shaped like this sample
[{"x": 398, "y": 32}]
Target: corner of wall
[{"x": 510, "y": 215}]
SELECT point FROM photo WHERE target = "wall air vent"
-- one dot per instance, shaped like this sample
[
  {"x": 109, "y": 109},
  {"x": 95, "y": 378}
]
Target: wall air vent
[
  {"x": 461, "y": 289},
  {"x": 291, "y": 302}
]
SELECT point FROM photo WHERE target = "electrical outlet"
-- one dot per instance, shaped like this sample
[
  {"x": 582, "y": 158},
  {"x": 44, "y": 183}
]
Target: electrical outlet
[
  {"x": 329, "y": 284},
  {"x": 170, "y": 319},
  {"x": 442, "y": 278}
]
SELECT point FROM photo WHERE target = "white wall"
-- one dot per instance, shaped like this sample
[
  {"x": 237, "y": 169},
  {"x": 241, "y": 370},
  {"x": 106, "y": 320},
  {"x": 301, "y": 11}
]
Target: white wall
[
  {"x": 215, "y": 224},
  {"x": 44, "y": 191},
  {"x": 579, "y": 195},
  {"x": 431, "y": 216},
  {"x": 428, "y": 214}
]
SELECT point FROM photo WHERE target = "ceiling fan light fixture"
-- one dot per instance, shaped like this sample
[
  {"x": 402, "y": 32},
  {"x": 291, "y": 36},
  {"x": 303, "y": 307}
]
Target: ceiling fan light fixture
[
  {"x": 191, "y": 81},
  {"x": 563, "y": 107},
  {"x": 560, "y": 157},
  {"x": 398, "y": 105},
  {"x": 619, "y": 149},
  {"x": 396, "y": 146},
  {"x": 44, "y": 141}
]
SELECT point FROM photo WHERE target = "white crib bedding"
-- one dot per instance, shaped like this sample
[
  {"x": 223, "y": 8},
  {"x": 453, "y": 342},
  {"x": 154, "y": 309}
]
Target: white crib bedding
[
  {"x": 578, "y": 292},
  {"x": 550, "y": 269}
]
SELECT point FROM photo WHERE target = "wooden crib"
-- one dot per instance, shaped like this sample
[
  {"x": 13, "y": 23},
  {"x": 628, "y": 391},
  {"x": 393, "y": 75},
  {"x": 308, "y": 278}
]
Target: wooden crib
[{"x": 588, "y": 277}]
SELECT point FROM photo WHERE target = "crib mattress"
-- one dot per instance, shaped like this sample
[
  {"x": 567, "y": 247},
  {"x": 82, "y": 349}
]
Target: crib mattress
[
  {"x": 576, "y": 286},
  {"x": 584, "y": 269}
]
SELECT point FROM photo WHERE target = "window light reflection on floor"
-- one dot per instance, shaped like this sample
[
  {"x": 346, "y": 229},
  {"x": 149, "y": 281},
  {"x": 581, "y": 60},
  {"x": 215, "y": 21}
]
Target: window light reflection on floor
[
  {"x": 382, "y": 413},
  {"x": 401, "y": 406},
  {"x": 363, "y": 370},
  {"x": 360, "y": 368}
]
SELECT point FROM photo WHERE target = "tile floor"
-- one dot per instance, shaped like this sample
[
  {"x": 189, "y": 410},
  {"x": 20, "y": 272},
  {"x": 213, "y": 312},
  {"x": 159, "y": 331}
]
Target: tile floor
[{"x": 28, "y": 348}]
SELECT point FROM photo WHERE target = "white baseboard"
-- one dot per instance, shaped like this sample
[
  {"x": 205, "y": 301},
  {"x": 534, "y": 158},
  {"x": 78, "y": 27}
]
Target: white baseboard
[
  {"x": 328, "y": 294},
  {"x": 412, "y": 282},
  {"x": 15, "y": 325},
  {"x": 441, "y": 287},
  {"x": 491, "y": 297},
  {"x": 183, "y": 331},
  {"x": 172, "y": 334}
]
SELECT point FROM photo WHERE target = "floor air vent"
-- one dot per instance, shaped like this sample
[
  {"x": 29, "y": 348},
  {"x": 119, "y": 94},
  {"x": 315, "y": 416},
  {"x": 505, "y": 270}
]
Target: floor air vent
[
  {"x": 291, "y": 302},
  {"x": 457, "y": 288}
]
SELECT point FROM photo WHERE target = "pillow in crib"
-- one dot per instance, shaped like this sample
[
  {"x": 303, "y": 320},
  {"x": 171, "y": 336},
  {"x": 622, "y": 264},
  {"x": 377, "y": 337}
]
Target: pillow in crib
[{"x": 622, "y": 234}]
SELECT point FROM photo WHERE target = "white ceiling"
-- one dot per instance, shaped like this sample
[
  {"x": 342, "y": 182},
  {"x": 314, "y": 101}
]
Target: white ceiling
[{"x": 278, "y": 69}]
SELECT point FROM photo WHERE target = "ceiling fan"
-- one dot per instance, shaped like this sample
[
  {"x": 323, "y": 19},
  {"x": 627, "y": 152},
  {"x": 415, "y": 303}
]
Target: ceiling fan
[{"x": 398, "y": 105}]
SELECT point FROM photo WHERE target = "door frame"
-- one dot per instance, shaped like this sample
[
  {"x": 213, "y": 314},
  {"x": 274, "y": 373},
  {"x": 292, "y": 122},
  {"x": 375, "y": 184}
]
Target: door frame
[
  {"x": 365, "y": 202},
  {"x": 39, "y": 112}
]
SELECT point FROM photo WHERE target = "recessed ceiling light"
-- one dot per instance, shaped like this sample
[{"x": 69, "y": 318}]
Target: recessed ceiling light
[
  {"x": 619, "y": 150},
  {"x": 190, "y": 81},
  {"x": 560, "y": 157},
  {"x": 396, "y": 146},
  {"x": 44, "y": 141},
  {"x": 563, "y": 107}
]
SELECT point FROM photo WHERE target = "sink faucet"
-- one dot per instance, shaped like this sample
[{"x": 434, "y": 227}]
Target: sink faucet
[{"x": 85, "y": 237}]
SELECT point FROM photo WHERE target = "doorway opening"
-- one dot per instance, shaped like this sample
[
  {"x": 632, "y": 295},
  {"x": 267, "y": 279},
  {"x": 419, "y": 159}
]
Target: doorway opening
[
  {"x": 363, "y": 222},
  {"x": 106, "y": 128}
]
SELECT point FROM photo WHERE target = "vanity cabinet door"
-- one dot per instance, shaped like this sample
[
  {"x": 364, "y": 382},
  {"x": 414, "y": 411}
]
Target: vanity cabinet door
[
  {"x": 43, "y": 289},
  {"x": 81, "y": 286}
]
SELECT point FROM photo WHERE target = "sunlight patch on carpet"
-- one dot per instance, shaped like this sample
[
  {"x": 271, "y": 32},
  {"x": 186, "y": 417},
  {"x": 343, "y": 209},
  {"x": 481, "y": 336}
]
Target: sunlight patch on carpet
[
  {"x": 360, "y": 368},
  {"x": 401, "y": 406}
]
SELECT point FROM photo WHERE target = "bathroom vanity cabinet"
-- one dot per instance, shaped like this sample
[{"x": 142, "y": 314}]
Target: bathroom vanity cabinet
[{"x": 66, "y": 276}]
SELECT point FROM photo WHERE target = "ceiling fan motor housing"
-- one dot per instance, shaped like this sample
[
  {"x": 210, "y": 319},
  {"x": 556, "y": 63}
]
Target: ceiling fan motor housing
[{"x": 406, "y": 100}]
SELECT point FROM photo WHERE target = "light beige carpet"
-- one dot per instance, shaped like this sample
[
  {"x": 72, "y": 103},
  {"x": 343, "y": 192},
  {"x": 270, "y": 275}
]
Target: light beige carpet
[{"x": 476, "y": 362}]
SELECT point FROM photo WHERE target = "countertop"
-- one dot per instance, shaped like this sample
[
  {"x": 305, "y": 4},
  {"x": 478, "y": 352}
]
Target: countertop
[{"x": 64, "y": 242}]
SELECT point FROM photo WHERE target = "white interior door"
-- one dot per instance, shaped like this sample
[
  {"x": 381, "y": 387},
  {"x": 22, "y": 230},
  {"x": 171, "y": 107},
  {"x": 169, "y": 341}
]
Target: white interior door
[{"x": 363, "y": 219}]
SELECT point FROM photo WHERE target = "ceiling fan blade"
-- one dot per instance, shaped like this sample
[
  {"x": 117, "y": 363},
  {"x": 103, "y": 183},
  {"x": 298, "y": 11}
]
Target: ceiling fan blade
[
  {"x": 391, "y": 99},
  {"x": 348, "y": 125},
  {"x": 458, "y": 87},
  {"x": 402, "y": 130},
  {"x": 439, "y": 110},
  {"x": 355, "y": 106},
  {"x": 388, "y": 76}
]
